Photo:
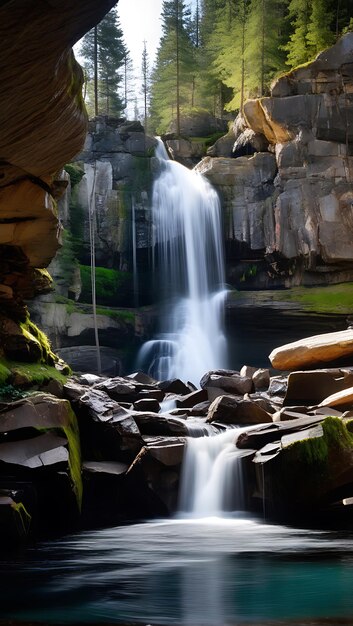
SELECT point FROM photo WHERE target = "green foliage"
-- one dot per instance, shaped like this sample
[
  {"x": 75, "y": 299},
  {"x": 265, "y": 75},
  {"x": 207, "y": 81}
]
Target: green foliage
[
  {"x": 234, "y": 48},
  {"x": 172, "y": 80},
  {"x": 109, "y": 285},
  {"x": 75, "y": 172},
  {"x": 319, "y": 34},
  {"x": 9, "y": 393},
  {"x": 67, "y": 256},
  {"x": 112, "y": 53},
  {"x": 297, "y": 46}
]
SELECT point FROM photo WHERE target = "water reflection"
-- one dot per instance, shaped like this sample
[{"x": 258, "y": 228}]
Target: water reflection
[{"x": 192, "y": 573}]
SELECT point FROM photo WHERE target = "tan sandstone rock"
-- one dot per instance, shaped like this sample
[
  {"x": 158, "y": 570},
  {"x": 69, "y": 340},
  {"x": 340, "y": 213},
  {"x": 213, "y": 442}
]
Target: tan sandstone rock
[{"x": 313, "y": 350}]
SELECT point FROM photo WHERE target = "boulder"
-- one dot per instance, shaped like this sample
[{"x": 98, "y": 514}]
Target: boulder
[
  {"x": 235, "y": 410},
  {"x": 310, "y": 474},
  {"x": 261, "y": 379},
  {"x": 159, "y": 424},
  {"x": 227, "y": 380},
  {"x": 174, "y": 386},
  {"x": 313, "y": 350},
  {"x": 147, "y": 404},
  {"x": 223, "y": 147},
  {"x": 312, "y": 387},
  {"x": 191, "y": 399},
  {"x": 342, "y": 398},
  {"x": 167, "y": 450}
]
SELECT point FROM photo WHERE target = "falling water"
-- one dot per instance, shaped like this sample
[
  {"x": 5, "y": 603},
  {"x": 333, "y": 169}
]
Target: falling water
[
  {"x": 212, "y": 478},
  {"x": 189, "y": 255}
]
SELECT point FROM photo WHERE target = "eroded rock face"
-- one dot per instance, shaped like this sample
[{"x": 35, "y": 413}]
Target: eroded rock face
[
  {"x": 42, "y": 126},
  {"x": 297, "y": 211},
  {"x": 118, "y": 164}
]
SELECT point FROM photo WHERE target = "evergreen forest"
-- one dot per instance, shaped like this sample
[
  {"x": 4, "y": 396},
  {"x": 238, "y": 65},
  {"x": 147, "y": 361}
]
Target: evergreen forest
[{"x": 212, "y": 55}]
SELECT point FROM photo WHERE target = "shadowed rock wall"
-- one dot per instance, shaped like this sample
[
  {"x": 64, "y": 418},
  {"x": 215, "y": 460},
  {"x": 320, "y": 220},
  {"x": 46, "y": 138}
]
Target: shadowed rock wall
[{"x": 42, "y": 126}]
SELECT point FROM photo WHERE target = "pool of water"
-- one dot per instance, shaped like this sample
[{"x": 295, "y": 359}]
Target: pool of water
[{"x": 186, "y": 572}]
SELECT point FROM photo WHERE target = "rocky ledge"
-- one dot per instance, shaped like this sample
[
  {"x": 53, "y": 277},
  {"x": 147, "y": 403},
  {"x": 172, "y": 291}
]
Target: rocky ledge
[
  {"x": 98, "y": 450},
  {"x": 286, "y": 179}
]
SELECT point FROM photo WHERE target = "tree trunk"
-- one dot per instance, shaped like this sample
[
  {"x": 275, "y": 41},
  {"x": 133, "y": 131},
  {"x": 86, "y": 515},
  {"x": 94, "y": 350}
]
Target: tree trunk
[
  {"x": 177, "y": 71},
  {"x": 95, "y": 71}
]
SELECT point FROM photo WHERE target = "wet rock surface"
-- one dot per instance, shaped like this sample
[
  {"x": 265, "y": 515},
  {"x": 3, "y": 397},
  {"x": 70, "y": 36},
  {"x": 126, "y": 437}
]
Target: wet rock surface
[{"x": 102, "y": 442}]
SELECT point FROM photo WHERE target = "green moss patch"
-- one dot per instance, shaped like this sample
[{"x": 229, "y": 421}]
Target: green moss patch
[
  {"x": 76, "y": 173},
  {"x": 336, "y": 438},
  {"x": 34, "y": 334},
  {"x": 128, "y": 317},
  {"x": 111, "y": 285},
  {"x": 29, "y": 374},
  {"x": 334, "y": 299},
  {"x": 73, "y": 437}
]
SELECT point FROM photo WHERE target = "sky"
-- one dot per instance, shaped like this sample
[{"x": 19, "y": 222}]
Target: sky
[{"x": 140, "y": 20}]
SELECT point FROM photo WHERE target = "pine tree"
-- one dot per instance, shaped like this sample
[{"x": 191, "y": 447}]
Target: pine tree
[
  {"x": 172, "y": 77},
  {"x": 104, "y": 50},
  {"x": 264, "y": 55},
  {"x": 211, "y": 88},
  {"x": 298, "y": 49},
  {"x": 229, "y": 62},
  {"x": 145, "y": 72},
  {"x": 320, "y": 35}
]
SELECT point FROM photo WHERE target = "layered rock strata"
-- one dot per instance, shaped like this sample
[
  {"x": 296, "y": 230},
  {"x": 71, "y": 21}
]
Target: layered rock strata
[
  {"x": 293, "y": 206},
  {"x": 42, "y": 125}
]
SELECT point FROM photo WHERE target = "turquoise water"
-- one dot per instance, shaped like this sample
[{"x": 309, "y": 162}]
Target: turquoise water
[{"x": 196, "y": 572}]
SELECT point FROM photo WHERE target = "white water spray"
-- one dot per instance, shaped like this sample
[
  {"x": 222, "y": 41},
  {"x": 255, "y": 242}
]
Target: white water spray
[
  {"x": 189, "y": 254},
  {"x": 212, "y": 477}
]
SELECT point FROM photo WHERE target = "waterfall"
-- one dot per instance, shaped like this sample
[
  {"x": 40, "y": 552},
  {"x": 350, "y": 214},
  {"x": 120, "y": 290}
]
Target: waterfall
[
  {"x": 211, "y": 478},
  {"x": 189, "y": 258}
]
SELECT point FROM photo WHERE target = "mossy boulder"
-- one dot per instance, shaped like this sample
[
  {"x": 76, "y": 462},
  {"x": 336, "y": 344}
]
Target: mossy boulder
[
  {"x": 40, "y": 447},
  {"x": 309, "y": 473}
]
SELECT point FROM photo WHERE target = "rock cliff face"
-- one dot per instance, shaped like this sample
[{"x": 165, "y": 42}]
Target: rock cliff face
[
  {"x": 116, "y": 159},
  {"x": 109, "y": 203},
  {"x": 293, "y": 205},
  {"x": 42, "y": 126}
]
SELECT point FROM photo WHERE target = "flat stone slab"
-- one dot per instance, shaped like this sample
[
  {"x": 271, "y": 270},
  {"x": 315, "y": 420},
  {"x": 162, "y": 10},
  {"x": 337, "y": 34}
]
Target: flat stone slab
[
  {"x": 313, "y": 350},
  {"x": 105, "y": 467},
  {"x": 341, "y": 398}
]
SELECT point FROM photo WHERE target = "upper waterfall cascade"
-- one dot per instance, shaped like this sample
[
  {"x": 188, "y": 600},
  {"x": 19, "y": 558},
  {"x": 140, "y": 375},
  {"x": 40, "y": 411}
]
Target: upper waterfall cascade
[{"x": 189, "y": 264}]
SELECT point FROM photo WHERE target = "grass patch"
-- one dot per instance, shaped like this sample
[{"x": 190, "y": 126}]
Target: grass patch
[{"x": 332, "y": 299}]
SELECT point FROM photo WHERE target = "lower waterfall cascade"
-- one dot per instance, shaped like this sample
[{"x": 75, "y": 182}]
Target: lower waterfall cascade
[
  {"x": 189, "y": 259},
  {"x": 212, "y": 478}
]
